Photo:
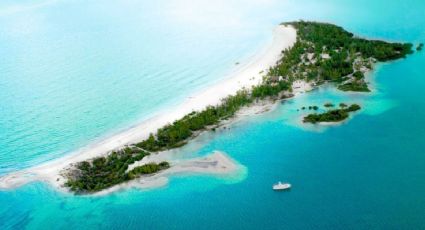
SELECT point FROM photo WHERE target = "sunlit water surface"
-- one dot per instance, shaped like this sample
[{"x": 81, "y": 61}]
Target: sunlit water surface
[{"x": 73, "y": 72}]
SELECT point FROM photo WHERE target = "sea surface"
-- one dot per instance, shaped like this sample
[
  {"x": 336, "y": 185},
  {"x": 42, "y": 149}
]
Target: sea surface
[{"x": 74, "y": 72}]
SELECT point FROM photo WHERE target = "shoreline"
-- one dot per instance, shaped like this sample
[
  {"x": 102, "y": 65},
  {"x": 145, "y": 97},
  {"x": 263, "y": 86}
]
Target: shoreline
[
  {"x": 244, "y": 76},
  {"x": 216, "y": 163}
]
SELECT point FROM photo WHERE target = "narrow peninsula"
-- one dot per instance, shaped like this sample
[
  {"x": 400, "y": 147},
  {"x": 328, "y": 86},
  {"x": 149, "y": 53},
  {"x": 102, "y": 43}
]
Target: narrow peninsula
[{"x": 322, "y": 53}]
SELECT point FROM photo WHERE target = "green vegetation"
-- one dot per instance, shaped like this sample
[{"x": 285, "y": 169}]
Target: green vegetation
[
  {"x": 322, "y": 53},
  {"x": 358, "y": 75},
  {"x": 333, "y": 115},
  {"x": 104, "y": 172},
  {"x": 325, "y": 52},
  {"x": 354, "y": 86},
  {"x": 327, "y": 105},
  {"x": 176, "y": 134},
  {"x": 420, "y": 47}
]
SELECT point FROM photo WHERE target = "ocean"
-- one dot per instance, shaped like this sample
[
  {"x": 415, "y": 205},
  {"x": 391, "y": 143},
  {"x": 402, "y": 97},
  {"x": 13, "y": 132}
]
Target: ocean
[{"x": 74, "y": 72}]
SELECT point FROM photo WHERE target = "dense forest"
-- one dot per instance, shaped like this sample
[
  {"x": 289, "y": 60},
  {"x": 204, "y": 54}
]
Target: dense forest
[
  {"x": 104, "y": 172},
  {"x": 322, "y": 53},
  {"x": 327, "y": 53}
]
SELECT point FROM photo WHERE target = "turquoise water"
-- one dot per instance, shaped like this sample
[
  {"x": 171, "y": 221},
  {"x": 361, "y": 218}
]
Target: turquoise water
[
  {"x": 71, "y": 75},
  {"x": 66, "y": 70}
]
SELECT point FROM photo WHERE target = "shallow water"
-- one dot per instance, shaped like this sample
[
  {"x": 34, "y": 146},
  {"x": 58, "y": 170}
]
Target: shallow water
[{"x": 63, "y": 83}]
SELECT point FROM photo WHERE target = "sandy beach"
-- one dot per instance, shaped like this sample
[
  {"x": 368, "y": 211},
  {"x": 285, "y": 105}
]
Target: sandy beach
[
  {"x": 216, "y": 163},
  {"x": 245, "y": 75}
]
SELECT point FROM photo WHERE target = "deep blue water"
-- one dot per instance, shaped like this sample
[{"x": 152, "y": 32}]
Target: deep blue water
[{"x": 62, "y": 86}]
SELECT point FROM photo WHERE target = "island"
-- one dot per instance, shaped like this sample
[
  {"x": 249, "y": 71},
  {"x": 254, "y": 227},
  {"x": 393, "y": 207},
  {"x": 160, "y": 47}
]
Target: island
[
  {"x": 333, "y": 115},
  {"x": 322, "y": 53}
]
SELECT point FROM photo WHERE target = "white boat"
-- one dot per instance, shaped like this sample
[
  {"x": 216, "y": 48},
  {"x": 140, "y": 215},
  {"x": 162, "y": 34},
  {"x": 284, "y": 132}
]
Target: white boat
[{"x": 281, "y": 186}]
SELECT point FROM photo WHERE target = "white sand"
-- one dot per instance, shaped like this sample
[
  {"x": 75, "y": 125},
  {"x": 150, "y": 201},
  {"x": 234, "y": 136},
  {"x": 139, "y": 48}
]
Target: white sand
[
  {"x": 246, "y": 75},
  {"x": 299, "y": 87},
  {"x": 217, "y": 163}
]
